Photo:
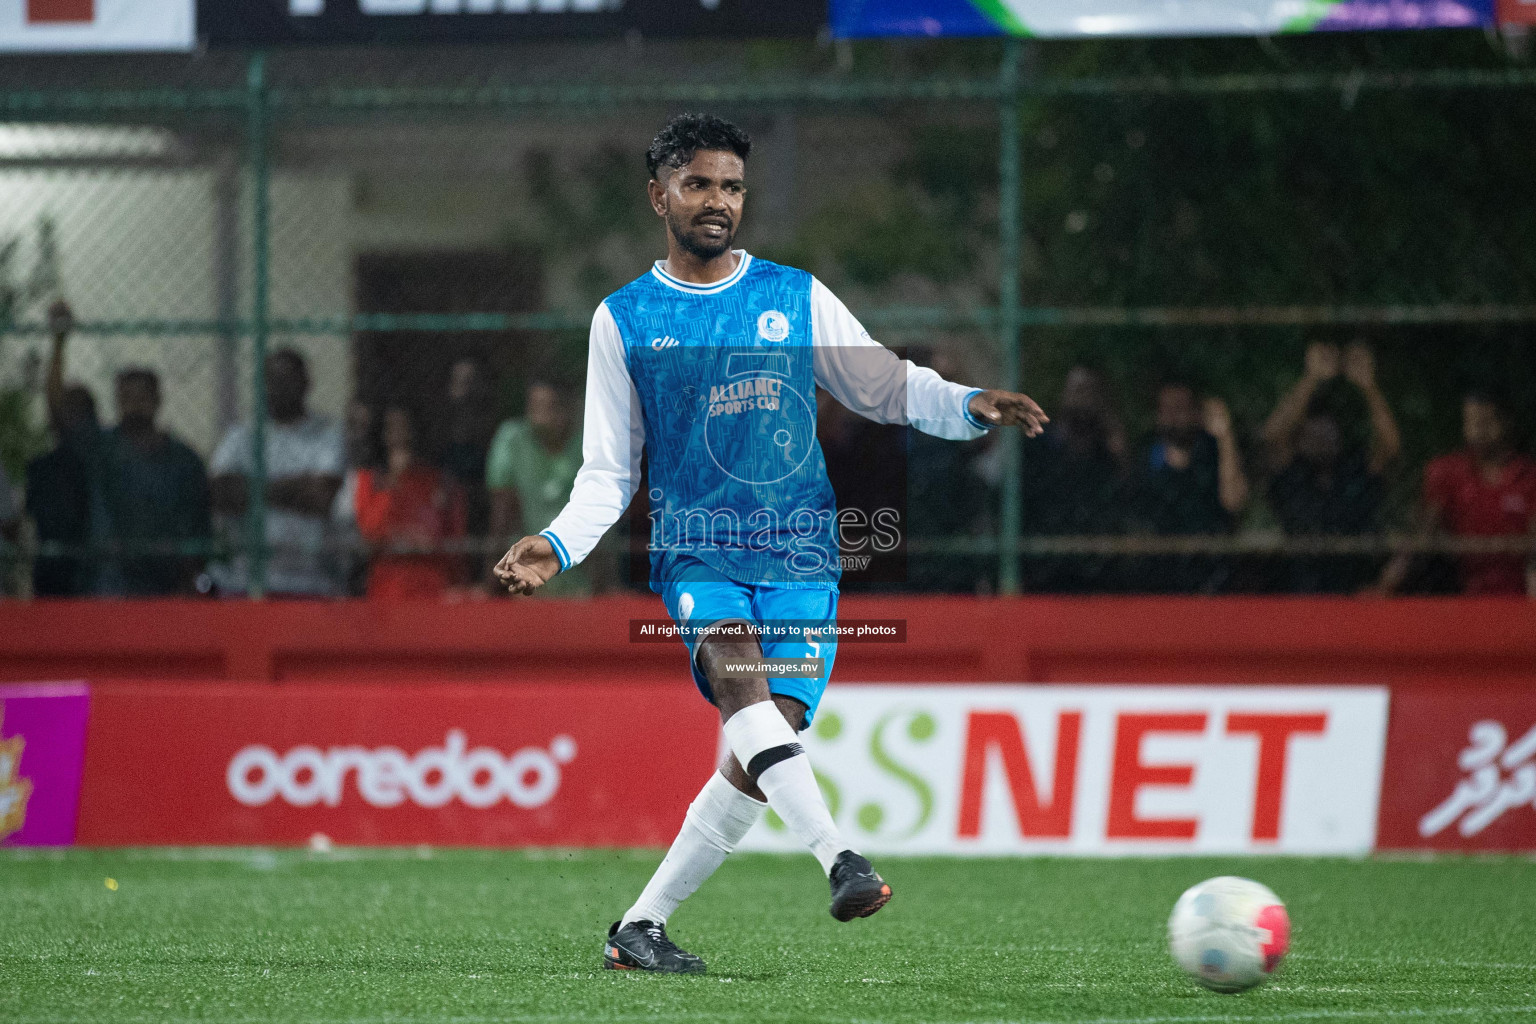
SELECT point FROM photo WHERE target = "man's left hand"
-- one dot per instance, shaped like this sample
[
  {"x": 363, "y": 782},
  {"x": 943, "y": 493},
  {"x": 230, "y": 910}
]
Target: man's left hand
[{"x": 1008, "y": 409}]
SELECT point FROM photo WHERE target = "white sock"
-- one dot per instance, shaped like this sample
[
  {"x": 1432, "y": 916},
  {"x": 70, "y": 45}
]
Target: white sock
[
  {"x": 716, "y": 820},
  {"x": 786, "y": 780},
  {"x": 791, "y": 789}
]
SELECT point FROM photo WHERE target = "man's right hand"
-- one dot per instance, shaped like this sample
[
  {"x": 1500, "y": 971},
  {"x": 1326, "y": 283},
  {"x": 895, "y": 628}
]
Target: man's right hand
[{"x": 527, "y": 565}]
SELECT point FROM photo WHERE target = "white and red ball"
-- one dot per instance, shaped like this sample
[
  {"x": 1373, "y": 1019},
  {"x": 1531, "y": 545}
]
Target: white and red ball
[{"x": 1229, "y": 933}]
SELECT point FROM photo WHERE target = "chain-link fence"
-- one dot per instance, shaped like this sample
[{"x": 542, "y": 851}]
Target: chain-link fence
[{"x": 360, "y": 283}]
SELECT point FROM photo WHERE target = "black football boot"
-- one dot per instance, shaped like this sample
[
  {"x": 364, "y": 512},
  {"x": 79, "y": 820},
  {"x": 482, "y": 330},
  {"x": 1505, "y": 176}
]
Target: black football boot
[
  {"x": 857, "y": 889},
  {"x": 644, "y": 946}
]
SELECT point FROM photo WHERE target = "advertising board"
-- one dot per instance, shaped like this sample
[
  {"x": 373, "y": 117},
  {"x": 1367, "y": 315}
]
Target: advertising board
[
  {"x": 63, "y": 25},
  {"x": 1460, "y": 769},
  {"x": 1065, "y": 18},
  {"x": 42, "y": 755},
  {"x": 920, "y": 768},
  {"x": 1098, "y": 769},
  {"x": 455, "y": 764},
  {"x": 269, "y": 22}
]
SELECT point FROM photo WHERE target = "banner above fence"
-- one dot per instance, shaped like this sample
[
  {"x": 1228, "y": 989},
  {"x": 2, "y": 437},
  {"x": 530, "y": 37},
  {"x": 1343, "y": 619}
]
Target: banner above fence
[
  {"x": 264, "y": 22},
  {"x": 1059, "y": 18},
  {"x": 55, "y": 25}
]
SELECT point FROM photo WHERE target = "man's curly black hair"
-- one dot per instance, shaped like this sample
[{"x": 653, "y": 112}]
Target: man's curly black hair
[{"x": 686, "y": 134}]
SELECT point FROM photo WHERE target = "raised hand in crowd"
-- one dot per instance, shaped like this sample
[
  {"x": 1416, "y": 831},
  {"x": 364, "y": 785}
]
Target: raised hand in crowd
[
  {"x": 61, "y": 324},
  {"x": 1386, "y": 440},
  {"x": 1322, "y": 363},
  {"x": 1232, "y": 481}
]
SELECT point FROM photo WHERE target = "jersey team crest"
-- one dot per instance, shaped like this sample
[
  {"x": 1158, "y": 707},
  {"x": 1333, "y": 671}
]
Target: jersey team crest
[{"x": 773, "y": 326}]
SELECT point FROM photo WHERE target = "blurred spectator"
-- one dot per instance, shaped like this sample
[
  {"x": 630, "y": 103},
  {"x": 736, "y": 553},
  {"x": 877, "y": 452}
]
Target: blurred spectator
[
  {"x": 469, "y": 423},
  {"x": 155, "y": 492},
  {"x": 10, "y": 532},
  {"x": 867, "y": 467},
  {"x": 133, "y": 485},
  {"x": 530, "y": 469},
  {"x": 1485, "y": 490},
  {"x": 345, "y": 541},
  {"x": 10, "y": 509},
  {"x": 1191, "y": 484},
  {"x": 305, "y": 457},
  {"x": 408, "y": 503},
  {"x": 61, "y": 487},
  {"x": 1074, "y": 483},
  {"x": 946, "y": 498},
  {"x": 1320, "y": 486}
]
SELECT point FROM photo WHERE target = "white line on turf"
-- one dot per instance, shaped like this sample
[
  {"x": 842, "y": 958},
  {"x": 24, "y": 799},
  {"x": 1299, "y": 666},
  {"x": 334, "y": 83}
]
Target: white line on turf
[
  {"x": 1406, "y": 1013},
  {"x": 1428, "y": 961}
]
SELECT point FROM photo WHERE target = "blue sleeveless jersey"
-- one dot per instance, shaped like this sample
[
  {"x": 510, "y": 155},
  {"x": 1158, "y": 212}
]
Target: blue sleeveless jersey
[{"x": 727, "y": 390}]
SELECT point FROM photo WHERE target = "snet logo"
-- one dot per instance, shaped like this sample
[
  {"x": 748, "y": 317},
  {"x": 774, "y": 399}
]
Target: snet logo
[{"x": 387, "y": 777}]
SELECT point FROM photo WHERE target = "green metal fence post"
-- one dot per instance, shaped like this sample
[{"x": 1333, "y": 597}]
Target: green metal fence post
[
  {"x": 1009, "y": 231},
  {"x": 260, "y": 174}
]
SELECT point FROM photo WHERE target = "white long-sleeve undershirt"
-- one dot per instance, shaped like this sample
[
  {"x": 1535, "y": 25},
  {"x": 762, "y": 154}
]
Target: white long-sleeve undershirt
[{"x": 856, "y": 369}]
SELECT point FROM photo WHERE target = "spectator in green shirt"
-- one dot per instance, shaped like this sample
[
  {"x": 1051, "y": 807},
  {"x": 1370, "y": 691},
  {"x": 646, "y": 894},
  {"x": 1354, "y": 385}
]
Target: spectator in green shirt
[{"x": 529, "y": 472}]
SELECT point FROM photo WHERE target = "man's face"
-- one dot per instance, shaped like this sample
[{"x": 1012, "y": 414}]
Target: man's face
[
  {"x": 138, "y": 402},
  {"x": 702, "y": 200},
  {"x": 287, "y": 386},
  {"x": 1083, "y": 390},
  {"x": 1178, "y": 418},
  {"x": 75, "y": 417},
  {"x": 546, "y": 413},
  {"x": 1318, "y": 442},
  {"x": 359, "y": 431},
  {"x": 398, "y": 433},
  {"x": 463, "y": 381},
  {"x": 1083, "y": 408},
  {"x": 1482, "y": 426}
]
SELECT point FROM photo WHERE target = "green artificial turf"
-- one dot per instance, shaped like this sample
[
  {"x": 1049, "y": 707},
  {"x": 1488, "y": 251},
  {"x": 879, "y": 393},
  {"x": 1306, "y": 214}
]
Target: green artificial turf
[{"x": 479, "y": 936}]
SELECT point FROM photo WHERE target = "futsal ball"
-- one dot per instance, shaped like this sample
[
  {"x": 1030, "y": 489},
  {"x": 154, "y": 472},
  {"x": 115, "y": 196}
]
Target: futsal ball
[{"x": 1228, "y": 933}]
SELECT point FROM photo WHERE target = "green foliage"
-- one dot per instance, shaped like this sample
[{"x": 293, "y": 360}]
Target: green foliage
[
  {"x": 20, "y": 439},
  {"x": 1279, "y": 198},
  {"x": 578, "y": 212},
  {"x": 886, "y": 229},
  {"x": 930, "y": 217}
]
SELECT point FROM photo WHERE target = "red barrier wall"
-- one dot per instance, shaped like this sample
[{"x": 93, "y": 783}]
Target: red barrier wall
[
  {"x": 1144, "y": 640},
  {"x": 166, "y": 737}
]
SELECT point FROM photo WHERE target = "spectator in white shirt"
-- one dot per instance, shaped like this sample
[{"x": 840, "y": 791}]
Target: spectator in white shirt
[{"x": 306, "y": 458}]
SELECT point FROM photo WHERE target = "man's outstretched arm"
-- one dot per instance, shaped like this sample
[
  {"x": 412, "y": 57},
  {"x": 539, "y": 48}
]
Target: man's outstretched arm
[
  {"x": 612, "y": 436},
  {"x": 872, "y": 381}
]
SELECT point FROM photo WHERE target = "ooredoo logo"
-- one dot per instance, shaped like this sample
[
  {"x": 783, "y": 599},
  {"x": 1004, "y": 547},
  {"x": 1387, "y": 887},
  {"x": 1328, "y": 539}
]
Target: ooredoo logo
[{"x": 387, "y": 776}]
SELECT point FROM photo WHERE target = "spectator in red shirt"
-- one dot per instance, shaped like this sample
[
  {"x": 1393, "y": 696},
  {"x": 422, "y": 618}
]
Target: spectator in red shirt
[
  {"x": 408, "y": 504},
  {"x": 1485, "y": 490}
]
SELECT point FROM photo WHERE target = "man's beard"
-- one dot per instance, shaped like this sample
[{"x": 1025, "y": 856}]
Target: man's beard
[{"x": 697, "y": 245}]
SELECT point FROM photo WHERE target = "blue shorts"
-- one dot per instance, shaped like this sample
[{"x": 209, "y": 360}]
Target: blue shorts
[{"x": 704, "y": 597}]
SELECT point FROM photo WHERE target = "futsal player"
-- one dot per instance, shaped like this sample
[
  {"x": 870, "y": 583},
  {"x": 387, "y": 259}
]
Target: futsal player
[{"x": 709, "y": 362}]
